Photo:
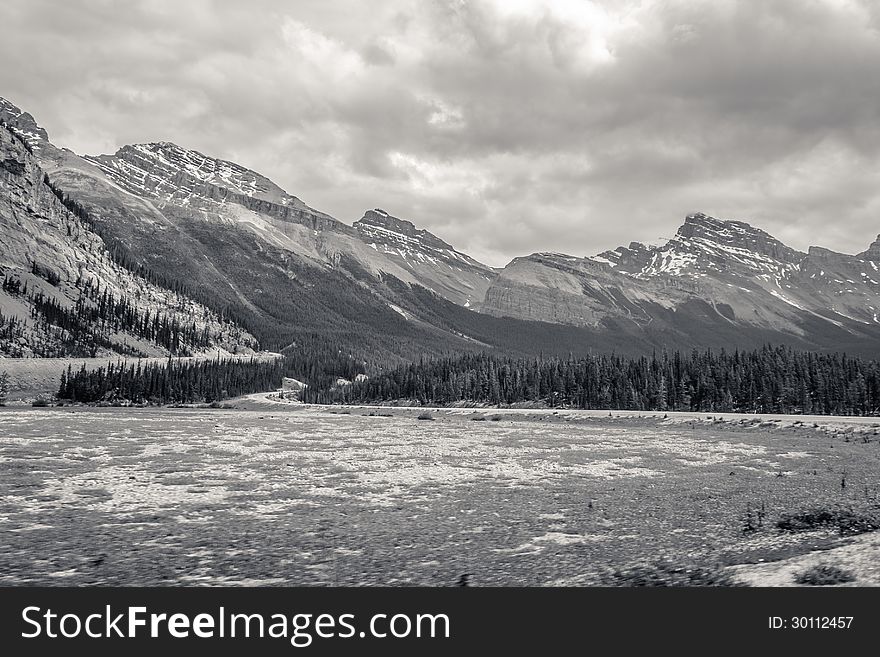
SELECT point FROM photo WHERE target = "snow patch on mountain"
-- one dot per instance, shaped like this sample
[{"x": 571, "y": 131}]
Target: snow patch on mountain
[{"x": 23, "y": 124}]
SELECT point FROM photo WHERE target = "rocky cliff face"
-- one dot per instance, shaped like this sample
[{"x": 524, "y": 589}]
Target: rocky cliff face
[
  {"x": 873, "y": 252},
  {"x": 22, "y": 124}
]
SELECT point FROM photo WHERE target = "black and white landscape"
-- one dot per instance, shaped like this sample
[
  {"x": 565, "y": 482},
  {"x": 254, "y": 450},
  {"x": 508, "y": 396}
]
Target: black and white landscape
[{"x": 351, "y": 296}]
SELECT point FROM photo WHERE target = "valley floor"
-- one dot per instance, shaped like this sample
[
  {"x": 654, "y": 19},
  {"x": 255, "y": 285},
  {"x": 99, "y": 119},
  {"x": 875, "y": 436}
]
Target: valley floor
[{"x": 273, "y": 494}]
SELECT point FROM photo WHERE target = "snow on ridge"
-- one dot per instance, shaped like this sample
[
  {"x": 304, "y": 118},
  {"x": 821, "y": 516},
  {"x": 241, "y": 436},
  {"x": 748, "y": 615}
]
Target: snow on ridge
[
  {"x": 552, "y": 254},
  {"x": 669, "y": 262},
  {"x": 172, "y": 173},
  {"x": 784, "y": 298},
  {"x": 207, "y": 169},
  {"x": 410, "y": 248}
]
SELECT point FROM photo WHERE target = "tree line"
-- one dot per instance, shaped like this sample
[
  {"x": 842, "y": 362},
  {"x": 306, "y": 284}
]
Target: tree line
[
  {"x": 316, "y": 362},
  {"x": 768, "y": 380},
  {"x": 172, "y": 381}
]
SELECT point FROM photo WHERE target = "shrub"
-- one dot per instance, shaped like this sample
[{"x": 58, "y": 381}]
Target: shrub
[
  {"x": 662, "y": 574},
  {"x": 845, "y": 521},
  {"x": 40, "y": 402},
  {"x": 824, "y": 575}
]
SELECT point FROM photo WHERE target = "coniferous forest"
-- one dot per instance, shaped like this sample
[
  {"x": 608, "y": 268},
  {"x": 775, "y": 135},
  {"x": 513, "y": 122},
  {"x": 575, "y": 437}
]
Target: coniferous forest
[
  {"x": 174, "y": 381},
  {"x": 769, "y": 380},
  {"x": 319, "y": 364},
  {"x": 91, "y": 323}
]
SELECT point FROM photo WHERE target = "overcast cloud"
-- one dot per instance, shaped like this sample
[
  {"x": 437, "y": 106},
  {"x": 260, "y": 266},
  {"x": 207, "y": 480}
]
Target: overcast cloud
[{"x": 505, "y": 127}]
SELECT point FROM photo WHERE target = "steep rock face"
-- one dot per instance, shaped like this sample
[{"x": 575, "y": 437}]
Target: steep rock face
[
  {"x": 631, "y": 260},
  {"x": 36, "y": 227},
  {"x": 22, "y": 124},
  {"x": 435, "y": 264},
  {"x": 46, "y": 250}
]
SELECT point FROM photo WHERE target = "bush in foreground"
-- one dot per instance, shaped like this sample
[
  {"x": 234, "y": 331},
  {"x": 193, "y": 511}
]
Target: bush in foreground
[
  {"x": 846, "y": 521},
  {"x": 668, "y": 575},
  {"x": 824, "y": 575}
]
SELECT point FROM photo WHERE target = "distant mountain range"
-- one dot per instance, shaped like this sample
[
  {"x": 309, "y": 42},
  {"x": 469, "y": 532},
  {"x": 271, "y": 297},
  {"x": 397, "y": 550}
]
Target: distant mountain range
[{"x": 245, "y": 252}]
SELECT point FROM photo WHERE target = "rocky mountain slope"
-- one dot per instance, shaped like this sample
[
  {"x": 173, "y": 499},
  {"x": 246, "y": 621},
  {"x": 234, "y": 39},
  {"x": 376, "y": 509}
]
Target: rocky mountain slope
[
  {"x": 63, "y": 294},
  {"x": 433, "y": 263},
  {"x": 713, "y": 273}
]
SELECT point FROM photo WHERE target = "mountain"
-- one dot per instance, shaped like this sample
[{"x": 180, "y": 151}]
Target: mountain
[
  {"x": 247, "y": 250},
  {"x": 288, "y": 273},
  {"x": 435, "y": 264},
  {"x": 172, "y": 176},
  {"x": 64, "y": 295},
  {"x": 725, "y": 278}
]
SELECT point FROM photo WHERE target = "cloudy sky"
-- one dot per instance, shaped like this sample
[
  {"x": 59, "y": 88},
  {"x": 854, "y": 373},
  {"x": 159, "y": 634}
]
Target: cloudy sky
[{"x": 504, "y": 126}]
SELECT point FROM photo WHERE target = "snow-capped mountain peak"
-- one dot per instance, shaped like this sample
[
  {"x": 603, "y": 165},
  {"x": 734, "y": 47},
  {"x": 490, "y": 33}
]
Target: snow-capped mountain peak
[
  {"x": 736, "y": 235},
  {"x": 704, "y": 244}
]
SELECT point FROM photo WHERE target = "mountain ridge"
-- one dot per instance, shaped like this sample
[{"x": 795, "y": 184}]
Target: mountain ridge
[{"x": 249, "y": 244}]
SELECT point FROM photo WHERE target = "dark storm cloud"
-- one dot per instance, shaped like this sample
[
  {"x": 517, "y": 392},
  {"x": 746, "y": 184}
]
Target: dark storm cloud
[{"x": 506, "y": 127}]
